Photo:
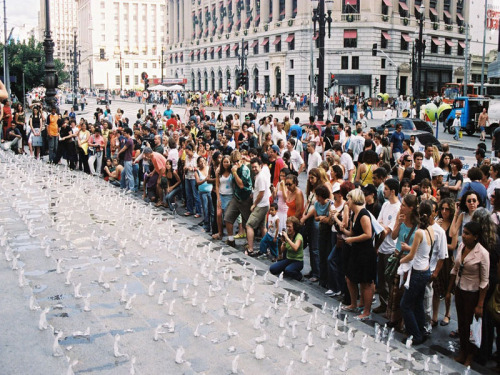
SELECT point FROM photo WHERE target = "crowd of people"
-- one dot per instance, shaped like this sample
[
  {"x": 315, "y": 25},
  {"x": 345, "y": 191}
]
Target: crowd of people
[{"x": 376, "y": 215}]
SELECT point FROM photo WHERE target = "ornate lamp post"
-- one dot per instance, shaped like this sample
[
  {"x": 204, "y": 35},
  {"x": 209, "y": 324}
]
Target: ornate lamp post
[
  {"x": 51, "y": 80},
  {"x": 76, "y": 61},
  {"x": 322, "y": 19},
  {"x": 420, "y": 50}
]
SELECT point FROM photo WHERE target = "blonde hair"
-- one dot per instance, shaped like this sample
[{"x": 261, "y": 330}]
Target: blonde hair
[{"x": 357, "y": 196}]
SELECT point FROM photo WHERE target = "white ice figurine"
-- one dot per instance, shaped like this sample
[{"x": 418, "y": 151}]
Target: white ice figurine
[
  {"x": 70, "y": 368},
  {"x": 68, "y": 276},
  {"x": 278, "y": 280},
  {"x": 194, "y": 299},
  {"x": 281, "y": 339},
  {"x": 303, "y": 354},
  {"x": 196, "y": 331},
  {"x": 59, "y": 266},
  {"x": 161, "y": 297},
  {"x": 14, "y": 263},
  {"x": 364, "y": 356},
  {"x": 265, "y": 276},
  {"x": 467, "y": 370},
  {"x": 343, "y": 366},
  {"x": 195, "y": 280},
  {"x": 294, "y": 329},
  {"x": 363, "y": 341},
  {"x": 47, "y": 251},
  {"x": 289, "y": 369},
  {"x": 388, "y": 358},
  {"x": 267, "y": 314},
  {"x": 234, "y": 365},
  {"x": 132, "y": 366},
  {"x": 310, "y": 341},
  {"x": 165, "y": 275},
  {"x": 230, "y": 333},
  {"x": 409, "y": 342},
  {"x": 256, "y": 323},
  {"x": 435, "y": 359},
  {"x": 261, "y": 339},
  {"x": 174, "y": 285},
  {"x": 8, "y": 256},
  {"x": 260, "y": 352},
  {"x": 123, "y": 294},
  {"x": 426, "y": 364},
  {"x": 116, "y": 349},
  {"x": 128, "y": 306},
  {"x": 151, "y": 289},
  {"x": 350, "y": 335},
  {"x": 42, "y": 323},
  {"x": 56, "y": 348},
  {"x": 171, "y": 326},
  {"x": 33, "y": 305},
  {"x": 185, "y": 292},
  {"x": 331, "y": 350},
  {"x": 247, "y": 300},
  {"x": 242, "y": 312},
  {"x": 336, "y": 331},
  {"x": 100, "y": 280},
  {"x": 309, "y": 322},
  {"x": 21, "y": 280},
  {"x": 171, "y": 308},
  {"x": 86, "y": 303},
  {"x": 204, "y": 307},
  {"x": 323, "y": 331},
  {"x": 76, "y": 292},
  {"x": 179, "y": 354},
  {"x": 282, "y": 321},
  {"x": 157, "y": 333}
]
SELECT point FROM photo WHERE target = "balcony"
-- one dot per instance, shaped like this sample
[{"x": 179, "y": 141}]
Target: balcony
[{"x": 350, "y": 17}]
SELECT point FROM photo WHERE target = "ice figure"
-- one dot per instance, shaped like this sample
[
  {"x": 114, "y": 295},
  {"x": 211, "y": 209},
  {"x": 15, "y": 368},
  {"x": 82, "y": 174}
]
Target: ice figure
[
  {"x": 68, "y": 276},
  {"x": 388, "y": 358},
  {"x": 282, "y": 321},
  {"x": 331, "y": 350},
  {"x": 267, "y": 314},
  {"x": 171, "y": 326},
  {"x": 251, "y": 289},
  {"x": 336, "y": 331},
  {"x": 309, "y": 322},
  {"x": 47, "y": 251},
  {"x": 303, "y": 354},
  {"x": 261, "y": 339},
  {"x": 42, "y": 323},
  {"x": 426, "y": 364},
  {"x": 116, "y": 349},
  {"x": 350, "y": 335},
  {"x": 157, "y": 333},
  {"x": 363, "y": 341},
  {"x": 289, "y": 369},
  {"x": 193, "y": 300},
  {"x": 33, "y": 305},
  {"x": 165, "y": 275},
  {"x": 242, "y": 312},
  {"x": 21, "y": 281},
  {"x": 310, "y": 339},
  {"x": 256, "y": 324},
  {"x": 86, "y": 303},
  {"x": 58, "y": 266},
  {"x": 171, "y": 308},
  {"x": 467, "y": 370},
  {"x": 230, "y": 333},
  {"x": 281, "y": 339},
  {"x": 343, "y": 366},
  {"x": 123, "y": 294},
  {"x": 8, "y": 257},
  {"x": 128, "y": 306},
  {"x": 409, "y": 341},
  {"x": 174, "y": 285},
  {"x": 224, "y": 303},
  {"x": 234, "y": 365},
  {"x": 260, "y": 352},
  {"x": 14, "y": 263},
  {"x": 265, "y": 276},
  {"x": 247, "y": 300},
  {"x": 56, "y": 348},
  {"x": 132, "y": 366},
  {"x": 151, "y": 289},
  {"x": 179, "y": 354},
  {"x": 100, "y": 280},
  {"x": 70, "y": 368},
  {"x": 196, "y": 332},
  {"x": 161, "y": 297},
  {"x": 195, "y": 280},
  {"x": 294, "y": 329},
  {"x": 364, "y": 356},
  {"x": 76, "y": 291},
  {"x": 435, "y": 359}
]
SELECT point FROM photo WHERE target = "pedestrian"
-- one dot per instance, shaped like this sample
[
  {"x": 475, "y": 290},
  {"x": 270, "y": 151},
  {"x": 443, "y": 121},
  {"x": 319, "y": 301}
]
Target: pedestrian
[
  {"x": 456, "y": 126},
  {"x": 483, "y": 122}
]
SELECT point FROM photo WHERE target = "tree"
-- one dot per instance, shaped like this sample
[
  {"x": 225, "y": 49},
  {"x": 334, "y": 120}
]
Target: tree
[{"x": 29, "y": 58}]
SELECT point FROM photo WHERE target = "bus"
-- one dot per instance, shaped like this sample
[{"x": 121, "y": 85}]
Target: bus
[
  {"x": 491, "y": 89},
  {"x": 451, "y": 91}
]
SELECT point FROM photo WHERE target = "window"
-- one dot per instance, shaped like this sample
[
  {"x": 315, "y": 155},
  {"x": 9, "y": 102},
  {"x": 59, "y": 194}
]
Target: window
[
  {"x": 345, "y": 62},
  {"x": 355, "y": 62},
  {"x": 460, "y": 9},
  {"x": 127, "y": 65},
  {"x": 255, "y": 46},
  {"x": 403, "y": 8},
  {"x": 291, "y": 64},
  {"x": 266, "y": 65},
  {"x": 117, "y": 80},
  {"x": 145, "y": 65},
  {"x": 291, "y": 42},
  {"x": 265, "y": 43},
  {"x": 154, "y": 65},
  {"x": 127, "y": 80},
  {"x": 446, "y": 12},
  {"x": 219, "y": 53},
  {"x": 433, "y": 15},
  {"x": 136, "y": 80},
  {"x": 117, "y": 65},
  {"x": 405, "y": 42},
  {"x": 385, "y": 7},
  {"x": 350, "y": 38},
  {"x": 382, "y": 63},
  {"x": 448, "y": 45},
  {"x": 350, "y": 6},
  {"x": 291, "y": 84},
  {"x": 461, "y": 48},
  {"x": 228, "y": 51},
  {"x": 385, "y": 37},
  {"x": 435, "y": 45},
  {"x": 136, "y": 65},
  {"x": 277, "y": 44}
]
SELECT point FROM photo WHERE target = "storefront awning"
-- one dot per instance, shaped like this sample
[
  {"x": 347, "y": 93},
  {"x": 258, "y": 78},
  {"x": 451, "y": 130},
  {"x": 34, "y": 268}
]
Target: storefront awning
[
  {"x": 211, "y": 50},
  {"x": 385, "y": 34},
  {"x": 248, "y": 19},
  {"x": 265, "y": 41},
  {"x": 460, "y": 17},
  {"x": 406, "y": 37},
  {"x": 191, "y": 53},
  {"x": 290, "y": 38},
  {"x": 277, "y": 40},
  {"x": 388, "y": 3},
  {"x": 436, "y": 41},
  {"x": 197, "y": 52},
  {"x": 350, "y": 34},
  {"x": 403, "y": 5}
]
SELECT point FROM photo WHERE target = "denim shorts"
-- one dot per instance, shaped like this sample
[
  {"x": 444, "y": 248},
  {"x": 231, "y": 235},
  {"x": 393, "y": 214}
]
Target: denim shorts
[{"x": 224, "y": 200}]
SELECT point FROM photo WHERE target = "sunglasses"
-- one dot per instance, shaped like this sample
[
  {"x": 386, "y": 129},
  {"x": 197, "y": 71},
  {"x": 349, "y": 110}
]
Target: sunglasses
[
  {"x": 471, "y": 200},
  {"x": 445, "y": 209},
  {"x": 288, "y": 184}
]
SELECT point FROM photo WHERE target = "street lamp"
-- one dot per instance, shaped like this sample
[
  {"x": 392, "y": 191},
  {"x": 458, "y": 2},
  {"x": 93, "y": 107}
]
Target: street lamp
[
  {"x": 420, "y": 50},
  {"x": 76, "y": 61},
  {"x": 322, "y": 19},
  {"x": 162, "y": 53},
  {"x": 51, "y": 80}
]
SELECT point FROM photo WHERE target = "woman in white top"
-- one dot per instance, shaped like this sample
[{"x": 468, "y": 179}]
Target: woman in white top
[
  {"x": 224, "y": 190},
  {"x": 495, "y": 182},
  {"x": 412, "y": 303}
]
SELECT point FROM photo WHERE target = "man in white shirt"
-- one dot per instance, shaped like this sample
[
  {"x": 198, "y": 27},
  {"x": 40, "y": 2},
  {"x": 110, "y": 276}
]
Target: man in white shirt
[
  {"x": 340, "y": 129},
  {"x": 388, "y": 113},
  {"x": 357, "y": 145},
  {"x": 386, "y": 245},
  {"x": 279, "y": 133},
  {"x": 345, "y": 160},
  {"x": 261, "y": 194},
  {"x": 263, "y": 130},
  {"x": 363, "y": 120},
  {"x": 314, "y": 159},
  {"x": 295, "y": 158},
  {"x": 428, "y": 161},
  {"x": 439, "y": 254}
]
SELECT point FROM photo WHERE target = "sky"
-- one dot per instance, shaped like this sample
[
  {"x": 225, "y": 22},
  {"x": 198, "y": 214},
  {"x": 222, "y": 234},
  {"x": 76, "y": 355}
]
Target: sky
[{"x": 20, "y": 12}]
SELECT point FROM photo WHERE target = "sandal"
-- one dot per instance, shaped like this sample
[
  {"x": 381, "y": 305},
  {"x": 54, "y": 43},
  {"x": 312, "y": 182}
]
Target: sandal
[
  {"x": 434, "y": 323},
  {"x": 216, "y": 236},
  {"x": 187, "y": 213},
  {"x": 240, "y": 235},
  {"x": 197, "y": 216},
  {"x": 348, "y": 309},
  {"x": 445, "y": 321}
]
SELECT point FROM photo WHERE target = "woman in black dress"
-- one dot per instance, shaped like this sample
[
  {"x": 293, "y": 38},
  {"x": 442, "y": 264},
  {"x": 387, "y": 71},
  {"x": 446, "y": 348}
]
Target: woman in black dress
[{"x": 362, "y": 265}]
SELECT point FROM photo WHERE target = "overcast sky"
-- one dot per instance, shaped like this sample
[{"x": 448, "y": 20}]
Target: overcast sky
[{"x": 20, "y": 12}]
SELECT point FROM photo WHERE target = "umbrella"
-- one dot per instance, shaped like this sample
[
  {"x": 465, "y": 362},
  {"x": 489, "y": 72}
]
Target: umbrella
[
  {"x": 159, "y": 88},
  {"x": 174, "y": 88}
]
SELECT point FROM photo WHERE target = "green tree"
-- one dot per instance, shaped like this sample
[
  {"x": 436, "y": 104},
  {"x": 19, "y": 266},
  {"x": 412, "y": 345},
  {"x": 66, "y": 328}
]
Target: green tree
[{"x": 29, "y": 58}]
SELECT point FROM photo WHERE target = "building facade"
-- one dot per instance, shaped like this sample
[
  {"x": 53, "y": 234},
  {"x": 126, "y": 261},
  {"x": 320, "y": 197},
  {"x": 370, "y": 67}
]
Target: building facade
[
  {"x": 63, "y": 16},
  {"x": 119, "y": 40},
  {"x": 279, "y": 40}
]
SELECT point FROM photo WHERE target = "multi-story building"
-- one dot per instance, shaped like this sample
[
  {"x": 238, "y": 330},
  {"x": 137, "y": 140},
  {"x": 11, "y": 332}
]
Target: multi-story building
[
  {"x": 63, "y": 26},
  {"x": 278, "y": 37},
  {"x": 119, "y": 40}
]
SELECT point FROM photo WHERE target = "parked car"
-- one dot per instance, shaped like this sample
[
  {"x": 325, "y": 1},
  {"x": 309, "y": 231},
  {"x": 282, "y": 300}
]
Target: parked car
[
  {"x": 422, "y": 138},
  {"x": 412, "y": 124},
  {"x": 102, "y": 98}
]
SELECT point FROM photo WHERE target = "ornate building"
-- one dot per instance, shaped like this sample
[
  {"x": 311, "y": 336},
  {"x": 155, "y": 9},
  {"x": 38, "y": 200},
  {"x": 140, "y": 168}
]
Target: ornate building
[{"x": 205, "y": 38}]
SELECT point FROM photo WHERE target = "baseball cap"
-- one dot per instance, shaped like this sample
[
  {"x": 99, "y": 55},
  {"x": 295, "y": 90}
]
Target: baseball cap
[
  {"x": 250, "y": 129},
  {"x": 275, "y": 148},
  {"x": 437, "y": 172},
  {"x": 336, "y": 188}
]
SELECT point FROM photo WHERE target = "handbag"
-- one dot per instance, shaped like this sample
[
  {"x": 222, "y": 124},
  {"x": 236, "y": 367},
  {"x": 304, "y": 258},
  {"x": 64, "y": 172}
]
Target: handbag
[
  {"x": 393, "y": 262},
  {"x": 493, "y": 305}
]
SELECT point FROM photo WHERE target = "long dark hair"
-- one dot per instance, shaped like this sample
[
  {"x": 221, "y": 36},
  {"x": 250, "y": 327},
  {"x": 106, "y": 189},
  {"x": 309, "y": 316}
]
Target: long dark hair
[
  {"x": 412, "y": 202},
  {"x": 424, "y": 214}
]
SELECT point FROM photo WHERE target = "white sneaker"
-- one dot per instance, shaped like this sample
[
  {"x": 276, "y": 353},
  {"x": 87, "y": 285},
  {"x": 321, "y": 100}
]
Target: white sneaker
[{"x": 329, "y": 292}]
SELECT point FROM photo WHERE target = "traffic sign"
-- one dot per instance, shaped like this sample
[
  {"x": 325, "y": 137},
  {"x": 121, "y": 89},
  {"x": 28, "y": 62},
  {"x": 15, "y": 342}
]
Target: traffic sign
[{"x": 145, "y": 94}]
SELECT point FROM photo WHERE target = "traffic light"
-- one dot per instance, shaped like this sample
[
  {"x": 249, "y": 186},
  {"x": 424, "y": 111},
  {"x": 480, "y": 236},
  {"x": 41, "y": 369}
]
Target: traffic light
[
  {"x": 243, "y": 79},
  {"x": 145, "y": 78},
  {"x": 331, "y": 80},
  {"x": 102, "y": 55},
  {"x": 374, "y": 49},
  {"x": 238, "y": 79}
]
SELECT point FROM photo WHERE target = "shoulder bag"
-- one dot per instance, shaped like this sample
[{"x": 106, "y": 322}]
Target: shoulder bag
[{"x": 393, "y": 261}]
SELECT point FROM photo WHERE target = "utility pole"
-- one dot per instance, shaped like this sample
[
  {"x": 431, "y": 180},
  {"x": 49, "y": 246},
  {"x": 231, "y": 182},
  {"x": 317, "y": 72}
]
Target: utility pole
[
  {"x": 420, "y": 50},
  {"x": 162, "y": 53},
  {"x": 51, "y": 80},
  {"x": 6, "y": 74},
  {"x": 466, "y": 69},
  {"x": 311, "y": 76},
  {"x": 484, "y": 45}
]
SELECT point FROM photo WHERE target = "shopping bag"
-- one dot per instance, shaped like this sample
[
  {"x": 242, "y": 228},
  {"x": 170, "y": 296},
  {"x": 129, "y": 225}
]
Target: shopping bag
[{"x": 475, "y": 332}]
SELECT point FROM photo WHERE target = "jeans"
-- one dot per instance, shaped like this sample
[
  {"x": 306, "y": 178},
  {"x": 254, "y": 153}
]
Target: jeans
[
  {"x": 412, "y": 304},
  {"x": 127, "y": 178},
  {"x": 97, "y": 156},
  {"x": 290, "y": 268},
  {"x": 268, "y": 243},
  {"x": 169, "y": 198},
  {"x": 311, "y": 232},
  {"x": 53, "y": 141},
  {"x": 336, "y": 275},
  {"x": 207, "y": 209},
  {"x": 192, "y": 197},
  {"x": 135, "y": 173},
  {"x": 369, "y": 110}
]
